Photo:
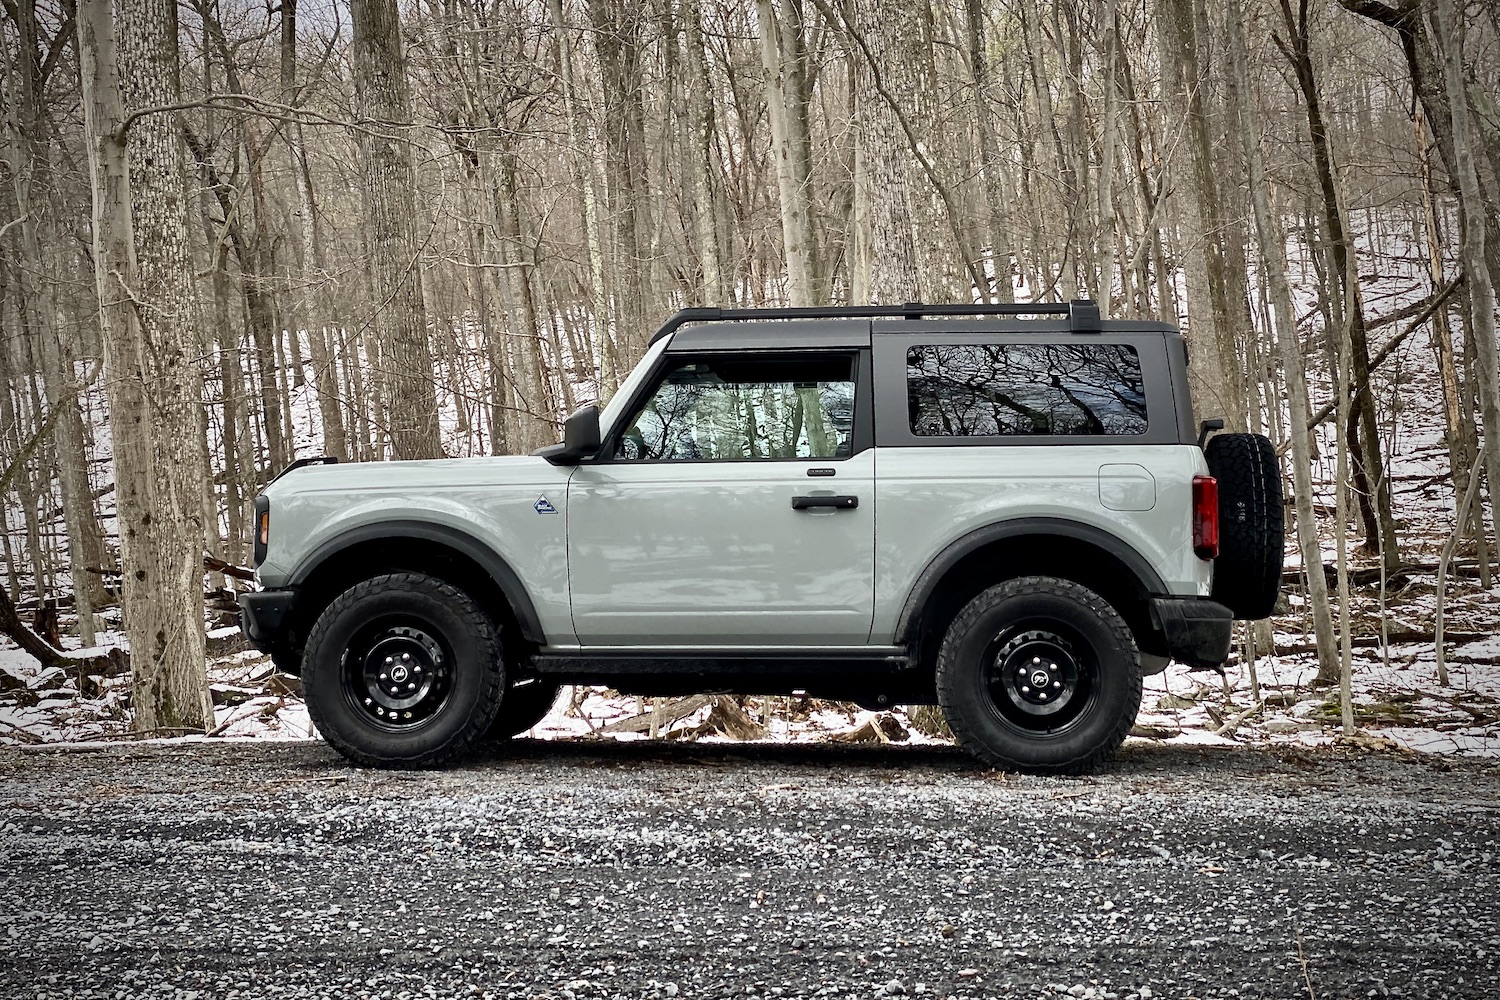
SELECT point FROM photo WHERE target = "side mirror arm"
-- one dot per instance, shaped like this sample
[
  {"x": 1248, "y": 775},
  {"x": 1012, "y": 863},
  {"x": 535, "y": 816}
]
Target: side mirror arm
[{"x": 580, "y": 438}]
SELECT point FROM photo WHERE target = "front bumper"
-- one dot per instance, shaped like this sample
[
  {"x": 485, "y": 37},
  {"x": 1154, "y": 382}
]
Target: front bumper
[
  {"x": 264, "y": 615},
  {"x": 1198, "y": 631}
]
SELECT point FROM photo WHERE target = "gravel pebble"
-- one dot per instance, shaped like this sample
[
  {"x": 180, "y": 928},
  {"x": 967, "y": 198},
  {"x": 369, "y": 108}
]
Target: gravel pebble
[{"x": 585, "y": 870}]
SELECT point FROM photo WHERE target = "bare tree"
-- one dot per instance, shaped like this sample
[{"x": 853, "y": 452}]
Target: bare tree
[
  {"x": 151, "y": 344},
  {"x": 400, "y": 314}
]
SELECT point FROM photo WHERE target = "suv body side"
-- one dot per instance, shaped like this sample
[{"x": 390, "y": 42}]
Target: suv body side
[
  {"x": 592, "y": 558},
  {"x": 1130, "y": 493}
]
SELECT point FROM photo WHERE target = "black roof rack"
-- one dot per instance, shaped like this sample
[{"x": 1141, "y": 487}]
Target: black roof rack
[{"x": 1083, "y": 314}]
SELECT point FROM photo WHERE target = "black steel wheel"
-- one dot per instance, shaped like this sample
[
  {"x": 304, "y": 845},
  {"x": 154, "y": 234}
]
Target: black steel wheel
[
  {"x": 397, "y": 673},
  {"x": 403, "y": 670},
  {"x": 1037, "y": 680},
  {"x": 1039, "y": 674}
]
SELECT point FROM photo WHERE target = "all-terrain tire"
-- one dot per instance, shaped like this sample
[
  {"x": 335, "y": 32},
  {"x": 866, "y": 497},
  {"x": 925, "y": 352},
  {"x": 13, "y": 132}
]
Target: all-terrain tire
[
  {"x": 1247, "y": 573},
  {"x": 1040, "y": 675},
  {"x": 403, "y": 670},
  {"x": 521, "y": 709}
]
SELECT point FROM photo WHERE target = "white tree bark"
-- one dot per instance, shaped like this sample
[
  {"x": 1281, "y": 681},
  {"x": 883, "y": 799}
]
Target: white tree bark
[
  {"x": 782, "y": 55},
  {"x": 883, "y": 176},
  {"x": 151, "y": 355},
  {"x": 1481, "y": 290}
]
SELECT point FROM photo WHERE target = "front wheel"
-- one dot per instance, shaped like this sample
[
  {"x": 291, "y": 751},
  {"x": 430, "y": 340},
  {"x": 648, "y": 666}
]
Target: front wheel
[
  {"x": 1039, "y": 674},
  {"x": 403, "y": 670}
]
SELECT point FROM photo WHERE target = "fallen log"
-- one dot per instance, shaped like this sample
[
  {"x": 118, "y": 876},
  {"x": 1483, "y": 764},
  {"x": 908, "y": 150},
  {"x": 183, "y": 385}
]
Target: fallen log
[
  {"x": 664, "y": 715},
  {"x": 883, "y": 728},
  {"x": 1394, "y": 638},
  {"x": 1367, "y": 576}
]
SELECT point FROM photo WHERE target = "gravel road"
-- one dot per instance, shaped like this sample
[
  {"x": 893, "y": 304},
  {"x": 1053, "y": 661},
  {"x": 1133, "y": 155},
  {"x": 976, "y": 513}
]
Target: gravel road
[{"x": 584, "y": 870}]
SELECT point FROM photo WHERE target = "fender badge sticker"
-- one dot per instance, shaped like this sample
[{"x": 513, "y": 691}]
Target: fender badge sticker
[{"x": 544, "y": 506}]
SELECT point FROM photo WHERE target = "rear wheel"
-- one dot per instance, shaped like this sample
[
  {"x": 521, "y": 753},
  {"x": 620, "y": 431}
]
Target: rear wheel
[
  {"x": 521, "y": 709},
  {"x": 403, "y": 670},
  {"x": 1039, "y": 674}
]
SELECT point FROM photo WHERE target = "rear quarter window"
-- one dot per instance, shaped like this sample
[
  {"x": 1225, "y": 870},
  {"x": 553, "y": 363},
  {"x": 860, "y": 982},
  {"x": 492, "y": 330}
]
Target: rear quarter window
[{"x": 999, "y": 390}]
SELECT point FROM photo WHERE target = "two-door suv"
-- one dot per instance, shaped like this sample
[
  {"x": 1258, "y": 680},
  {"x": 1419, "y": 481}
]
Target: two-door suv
[{"x": 1003, "y": 510}]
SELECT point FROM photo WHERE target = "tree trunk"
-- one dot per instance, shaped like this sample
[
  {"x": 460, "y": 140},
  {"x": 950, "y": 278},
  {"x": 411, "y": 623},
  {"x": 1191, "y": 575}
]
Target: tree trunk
[
  {"x": 1207, "y": 284},
  {"x": 147, "y": 326},
  {"x": 715, "y": 288},
  {"x": 1462, "y": 441},
  {"x": 1446, "y": 27},
  {"x": 29, "y": 154},
  {"x": 991, "y": 167},
  {"x": 783, "y": 55},
  {"x": 588, "y": 185},
  {"x": 400, "y": 319},
  {"x": 883, "y": 176},
  {"x": 1273, "y": 256},
  {"x": 617, "y": 44},
  {"x": 1371, "y": 485}
]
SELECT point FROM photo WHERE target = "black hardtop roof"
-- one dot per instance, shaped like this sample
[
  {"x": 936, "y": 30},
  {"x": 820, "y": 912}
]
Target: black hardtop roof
[{"x": 1081, "y": 315}]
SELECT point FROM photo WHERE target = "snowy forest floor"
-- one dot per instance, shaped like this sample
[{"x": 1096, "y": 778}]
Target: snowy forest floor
[{"x": 1398, "y": 702}]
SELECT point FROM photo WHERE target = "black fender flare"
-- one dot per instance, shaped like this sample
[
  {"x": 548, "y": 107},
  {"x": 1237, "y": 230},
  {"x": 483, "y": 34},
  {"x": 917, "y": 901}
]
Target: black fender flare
[
  {"x": 1021, "y": 527},
  {"x": 427, "y": 531}
]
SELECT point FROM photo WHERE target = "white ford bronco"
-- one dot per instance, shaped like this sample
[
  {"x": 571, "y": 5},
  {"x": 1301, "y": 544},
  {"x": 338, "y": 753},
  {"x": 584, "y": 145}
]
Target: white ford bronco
[{"x": 1002, "y": 510}]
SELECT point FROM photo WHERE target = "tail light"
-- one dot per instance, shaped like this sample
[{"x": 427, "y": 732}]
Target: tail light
[{"x": 1206, "y": 517}]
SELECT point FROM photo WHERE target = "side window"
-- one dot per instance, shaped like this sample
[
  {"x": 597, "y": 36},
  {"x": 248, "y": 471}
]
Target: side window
[
  {"x": 991, "y": 390},
  {"x": 732, "y": 409}
]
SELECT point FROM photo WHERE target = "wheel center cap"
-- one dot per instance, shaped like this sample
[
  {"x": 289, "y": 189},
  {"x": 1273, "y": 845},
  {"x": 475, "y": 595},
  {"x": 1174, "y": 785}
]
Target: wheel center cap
[
  {"x": 1040, "y": 678},
  {"x": 398, "y": 673}
]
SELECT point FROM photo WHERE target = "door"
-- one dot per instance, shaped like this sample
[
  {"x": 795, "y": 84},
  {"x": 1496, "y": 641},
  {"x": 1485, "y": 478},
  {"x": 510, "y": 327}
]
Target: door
[{"x": 734, "y": 507}]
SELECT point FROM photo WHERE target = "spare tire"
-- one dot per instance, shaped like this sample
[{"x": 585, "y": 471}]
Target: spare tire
[{"x": 1247, "y": 573}]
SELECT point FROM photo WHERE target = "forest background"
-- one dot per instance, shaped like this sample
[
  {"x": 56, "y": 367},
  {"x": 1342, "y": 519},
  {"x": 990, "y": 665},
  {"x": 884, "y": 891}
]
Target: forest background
[{"x": 237, "y": 233}]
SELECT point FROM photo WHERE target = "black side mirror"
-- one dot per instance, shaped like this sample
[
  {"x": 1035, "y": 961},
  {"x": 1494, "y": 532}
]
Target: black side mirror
[{"x": 580, "y": 438}]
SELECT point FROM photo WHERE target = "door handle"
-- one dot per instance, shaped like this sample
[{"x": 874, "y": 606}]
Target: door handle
[{"x": 837, "y": 503}]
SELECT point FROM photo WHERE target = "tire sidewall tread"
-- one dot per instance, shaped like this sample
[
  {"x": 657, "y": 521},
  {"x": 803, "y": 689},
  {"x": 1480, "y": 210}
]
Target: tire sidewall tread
[
  {"x": 961, "y": 671},
  {"x": 479, "y": 680},
  {"x": 1247, "y": 572}
]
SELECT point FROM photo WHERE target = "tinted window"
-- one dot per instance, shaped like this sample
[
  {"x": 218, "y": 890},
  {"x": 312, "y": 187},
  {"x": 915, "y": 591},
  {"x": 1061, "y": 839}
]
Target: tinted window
[
  {"x": 964, "y": 390},
  {"x": 732, "y": 409}
]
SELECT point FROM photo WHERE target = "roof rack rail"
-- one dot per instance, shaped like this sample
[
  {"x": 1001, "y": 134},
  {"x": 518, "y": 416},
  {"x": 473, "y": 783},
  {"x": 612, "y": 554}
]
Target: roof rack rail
[{"x": 1083, "y": 314}]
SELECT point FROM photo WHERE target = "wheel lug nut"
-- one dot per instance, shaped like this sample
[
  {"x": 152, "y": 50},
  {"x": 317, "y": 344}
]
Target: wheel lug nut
[
  {"x": 1042, "y": 695},
  {"x": 367, "y": 701},
  {"x": 382, "y": 676},
  {"x": 405, "y": 657},
  {"x": 1057, "y": 684},
  {"x": 411, "y": 687},
  {"x": 1025, "y": 689},
  {"x": 1036, "y": 659},
  {"x": 408, "y": 715}
]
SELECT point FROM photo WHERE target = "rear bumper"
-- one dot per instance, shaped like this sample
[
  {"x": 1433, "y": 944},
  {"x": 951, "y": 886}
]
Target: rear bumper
[
  {"x": 263, "y": 618},
  {"x": 1197, "y": 631}
]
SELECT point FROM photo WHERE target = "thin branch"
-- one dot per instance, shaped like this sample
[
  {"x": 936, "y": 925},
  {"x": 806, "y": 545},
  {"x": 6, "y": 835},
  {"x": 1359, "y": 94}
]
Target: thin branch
[
  {"x": 274, "y": 111},
  {"x": 13, "y": 223},
  {"x": 1433, "y": 305}
]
